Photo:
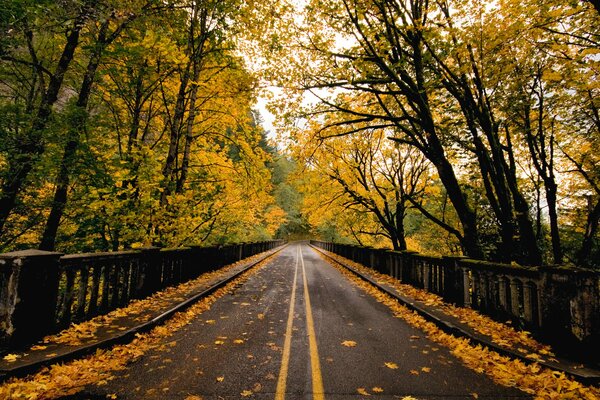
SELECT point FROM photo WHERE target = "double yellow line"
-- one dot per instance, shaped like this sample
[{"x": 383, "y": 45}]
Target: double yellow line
[{"x": 317, "y": 380}]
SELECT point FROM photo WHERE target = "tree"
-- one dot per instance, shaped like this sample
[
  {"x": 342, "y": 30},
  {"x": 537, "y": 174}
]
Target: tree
[
  {"x": 372, "y": 176},
  {"x": 28, "y": 146},
  {"x": 79, "y": 114}
]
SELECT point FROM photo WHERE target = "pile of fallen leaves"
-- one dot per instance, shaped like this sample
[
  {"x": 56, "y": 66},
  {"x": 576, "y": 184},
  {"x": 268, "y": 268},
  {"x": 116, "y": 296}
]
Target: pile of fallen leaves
[
  {"x": 533, "y": 379},
  {"x": 69, "y": 378}
]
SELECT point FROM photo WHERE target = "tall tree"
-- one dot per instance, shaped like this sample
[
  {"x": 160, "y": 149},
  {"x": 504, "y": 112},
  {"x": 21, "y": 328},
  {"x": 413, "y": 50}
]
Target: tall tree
[
  {"x": 79, "y": 114},
  {"x": 29, "y": 145}
]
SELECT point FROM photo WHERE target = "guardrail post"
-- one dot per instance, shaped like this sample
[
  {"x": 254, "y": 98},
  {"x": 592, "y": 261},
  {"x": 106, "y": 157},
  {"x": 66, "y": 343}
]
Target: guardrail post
[
  {"x": 28, "y": 295},
  {"x": 454, "y": 282},
  {"x": 150, "y": 271}
]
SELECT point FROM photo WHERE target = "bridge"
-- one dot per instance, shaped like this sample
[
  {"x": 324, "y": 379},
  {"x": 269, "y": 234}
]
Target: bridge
[{"x": 289, "y": 321}]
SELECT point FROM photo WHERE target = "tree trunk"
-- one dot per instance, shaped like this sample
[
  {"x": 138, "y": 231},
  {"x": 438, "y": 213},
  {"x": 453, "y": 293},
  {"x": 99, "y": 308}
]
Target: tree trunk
[
  {"x": 31, "y": 147},
  {"x": 189, "y": 136},
  {"x": 557, "y": 253},
  {"x": 176, "y": 124},
  {"x": 468, "y": 219},
  {"x": 400, "y": 215},
  {"x": 76, "y": 130},
  {"x": 591, "y": 228}
]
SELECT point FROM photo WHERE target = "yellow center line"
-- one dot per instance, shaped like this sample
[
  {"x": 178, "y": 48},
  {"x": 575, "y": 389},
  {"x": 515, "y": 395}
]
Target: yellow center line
[
  {"x": 287, "y": 344},
  {"x": 317, "y": 379}
]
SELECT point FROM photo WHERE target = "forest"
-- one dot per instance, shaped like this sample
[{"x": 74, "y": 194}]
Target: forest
[{"x": 443, "y": 126}]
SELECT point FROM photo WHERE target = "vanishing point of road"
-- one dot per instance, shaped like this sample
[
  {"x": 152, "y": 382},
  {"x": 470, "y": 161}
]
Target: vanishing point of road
[{"x": 298, "y": 329}]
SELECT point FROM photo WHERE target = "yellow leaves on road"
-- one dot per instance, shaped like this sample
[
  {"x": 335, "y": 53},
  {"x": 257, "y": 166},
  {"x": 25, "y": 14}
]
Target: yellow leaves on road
[
  {"x": 499, "y": 333},
  {"x": 426, "y": 369},
  {"x": 220, "y": 378},
  {"x": 238, "y": 341},
  {"x": 391, "y": 365},
  {"x": 533, "y": 379},
  {"x": 363, "y": 391},
  {"x": 219, "y": 342},
  {"x": 377, "y": 389},
  {"x": 246, "y": 393},
  {"x": 86, "y": 331},
  {"x": 349, "y": 343},
  {"x": 193, "y": 397},
  {"x": 66, "y": 379},
  {"x": 11, "y": 357}
]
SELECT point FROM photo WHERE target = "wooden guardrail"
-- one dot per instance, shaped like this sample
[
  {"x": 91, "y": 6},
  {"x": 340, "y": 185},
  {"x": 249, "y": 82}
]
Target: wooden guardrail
[
  {"x": 43, "y": 292},
  {"x": 559, "y": 305}
]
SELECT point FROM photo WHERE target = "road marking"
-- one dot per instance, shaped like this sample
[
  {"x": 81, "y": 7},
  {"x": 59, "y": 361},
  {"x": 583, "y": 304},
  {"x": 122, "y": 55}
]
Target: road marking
[
  {"x": 287, "y": 344},
  {"x": 317, "y": 379}
]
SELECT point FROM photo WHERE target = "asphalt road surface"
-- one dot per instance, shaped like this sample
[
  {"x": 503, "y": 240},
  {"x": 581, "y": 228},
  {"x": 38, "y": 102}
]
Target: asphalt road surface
[{"x": 298, "y": 329}]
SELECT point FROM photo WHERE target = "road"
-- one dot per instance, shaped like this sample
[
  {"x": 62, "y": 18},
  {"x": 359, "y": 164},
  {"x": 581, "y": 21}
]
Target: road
[{"x": 298, "y": 329}]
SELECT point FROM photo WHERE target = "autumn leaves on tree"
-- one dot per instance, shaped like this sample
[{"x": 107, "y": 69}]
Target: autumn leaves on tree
[
  {"x": 445, "y": 126},
  {"x": 496, "y": 96},
  {"x": 129, "y": 123}
]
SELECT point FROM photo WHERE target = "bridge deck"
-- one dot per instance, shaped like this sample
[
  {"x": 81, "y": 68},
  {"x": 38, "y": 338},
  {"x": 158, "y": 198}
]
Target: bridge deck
[{"x": 338, "y": 343}]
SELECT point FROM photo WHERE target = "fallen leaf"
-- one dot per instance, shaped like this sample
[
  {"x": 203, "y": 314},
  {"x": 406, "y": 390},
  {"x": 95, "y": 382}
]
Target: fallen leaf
[
  {"x": 391, "y": 365},
  {"x": 219, "y": 342},
  {"x": 414, "y": 372},
  {"x": 363, "y": 391},
  {"x": 349, "y": 343},
  {"x": 377, "y": 389},
  {"x": 193, "y": 397},
  {"x": 246, "y": 393},
  {"x": 38, "y": 347},
  {"x": 425, "y": 369},
  {"x": 238, "y": 341},
  {"x": 11, "y": 357},
  {"x": 220, "y": 378}
]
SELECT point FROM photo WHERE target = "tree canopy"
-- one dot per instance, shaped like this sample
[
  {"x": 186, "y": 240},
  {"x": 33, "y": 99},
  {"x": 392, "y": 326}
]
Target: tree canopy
[{"x": 444, "y": 126}]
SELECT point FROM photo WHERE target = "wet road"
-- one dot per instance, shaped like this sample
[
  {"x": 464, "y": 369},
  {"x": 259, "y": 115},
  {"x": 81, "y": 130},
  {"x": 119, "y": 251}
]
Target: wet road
[{"x": 298, "y": 329}]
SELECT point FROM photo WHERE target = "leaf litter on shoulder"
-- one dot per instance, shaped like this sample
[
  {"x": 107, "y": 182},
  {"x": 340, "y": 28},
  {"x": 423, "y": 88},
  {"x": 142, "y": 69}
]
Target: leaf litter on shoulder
[
  {"x": 542, "y": 382},
  {"x": 67, "y": 379}
]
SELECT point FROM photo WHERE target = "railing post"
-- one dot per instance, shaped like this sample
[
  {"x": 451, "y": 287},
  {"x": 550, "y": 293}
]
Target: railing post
[
  {"x": 529, "y": 291},
  {"x": 150, "y": 271},
  {"x": 503, "y": 293},
  {"x": 454, "y": 283},
  {"x": 28, "y": 295},
  {"x": 514, "y": 298}
]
